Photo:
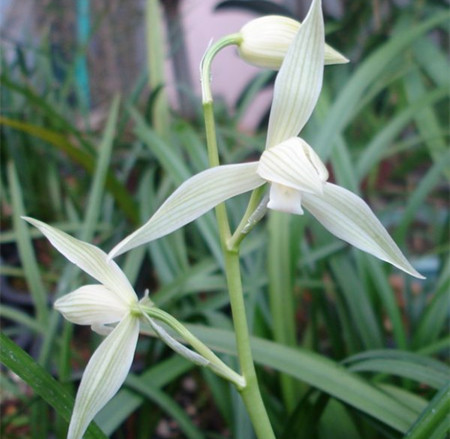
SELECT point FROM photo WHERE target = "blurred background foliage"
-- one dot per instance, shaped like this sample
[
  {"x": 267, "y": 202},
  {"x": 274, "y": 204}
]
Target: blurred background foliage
[{"x": 76, "y": 155}]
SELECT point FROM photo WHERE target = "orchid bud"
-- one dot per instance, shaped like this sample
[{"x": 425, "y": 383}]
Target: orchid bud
[{"x": 265, "y": 41}]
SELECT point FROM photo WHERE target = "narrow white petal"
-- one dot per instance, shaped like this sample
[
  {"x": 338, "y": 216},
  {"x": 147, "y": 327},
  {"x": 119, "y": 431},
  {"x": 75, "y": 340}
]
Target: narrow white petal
[
  {"x": 299, "y": 81},
  {"x": 192, "y": 199},
  {"x": 104, "y": 374},
  {"x": 349, "y": 218},
  {"x": 293, "y": 163},
  {"x": 90, "y": 259},
  {"x": 175, "y": 345},
  {"x": 91, "y": 305}
]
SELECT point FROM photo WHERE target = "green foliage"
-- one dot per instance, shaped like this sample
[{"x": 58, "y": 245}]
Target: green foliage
[
  {"x": 347, "y": 347},
  {"x": 40, "y": 381}
]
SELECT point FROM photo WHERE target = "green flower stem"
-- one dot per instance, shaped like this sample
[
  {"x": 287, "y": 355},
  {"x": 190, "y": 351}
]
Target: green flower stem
[
  {"x": 250, "y": 393},
  {"x": 211, "y": 139},
  {"x": 205, "y": 67},
  {"x": 217, "y": 364},
  {"x": 207, "y": 99}
]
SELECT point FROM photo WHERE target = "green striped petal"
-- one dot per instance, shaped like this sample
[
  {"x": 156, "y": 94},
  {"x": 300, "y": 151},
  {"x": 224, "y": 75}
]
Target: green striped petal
[
  {"x": 193, "y": 198},
  {"x": 349, "y": 218},
  {"x": 293, "y": 163},
  {"x": 91, "y": 305},
  {"x": 299, "y": 81},
  {"x": 90, "y": 259},
  {"x": 104, "y": 374}
]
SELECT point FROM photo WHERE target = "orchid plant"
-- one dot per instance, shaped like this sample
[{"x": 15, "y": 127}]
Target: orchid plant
[{"x": 297, "y": 179}]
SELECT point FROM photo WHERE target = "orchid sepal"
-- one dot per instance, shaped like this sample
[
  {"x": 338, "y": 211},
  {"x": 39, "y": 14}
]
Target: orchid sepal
[
  {"x": 349, "y": 218},
  {"x": 299, "y": 81},
  {"x": 104, "y": 374},
  {"x": 90, "y": 259},
  {"x": 192, "y": 199}
]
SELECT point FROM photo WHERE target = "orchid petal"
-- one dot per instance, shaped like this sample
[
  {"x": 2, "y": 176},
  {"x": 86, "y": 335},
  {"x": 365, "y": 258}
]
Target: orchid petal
[
  {"x": 90, "y": 259},
  {"x": 349, "y": 218},
  {"x": 192, "y": 199},
  {"x": 104, "y": 374},
  {"x": 91, "y": 305},
  {"x": 293, "y": 163},
  {"x": 285, "y": 199},
  {"x": 299, "y": 81}
]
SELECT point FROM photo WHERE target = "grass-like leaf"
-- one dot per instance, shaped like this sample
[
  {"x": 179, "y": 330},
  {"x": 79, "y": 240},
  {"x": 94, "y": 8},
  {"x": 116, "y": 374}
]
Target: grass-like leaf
[
  {"x": 25, "y": 246},
  {"x": 434, "y": 422},
  {"x": 342, "y": 110},
  {"x": 319, "y": 372},
  {"x": 401, "y": 363},
  {"x": 19, "y": 362},
  {"x": 85, "y": 159},
  {"x": 127, "y": 401}
]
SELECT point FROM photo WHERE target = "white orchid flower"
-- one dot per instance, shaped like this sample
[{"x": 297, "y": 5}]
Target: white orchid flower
[
  {"x": 292, "y": 168},
  {"x": 265, "y": 41},
  {"x": 113, "y": 301}
]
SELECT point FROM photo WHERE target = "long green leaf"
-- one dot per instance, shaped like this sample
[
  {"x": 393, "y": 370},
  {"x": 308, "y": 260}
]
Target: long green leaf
[
  {"x": 118, "y": 191},
  {"x": 415, "y": 402},
  {"x": 24, "y": 320},
  {"x": 433, "y": 59},
  {"x": 177, "y": 170},
  {"x": 27, "y": 256},
  {"x": 401, "y": 363},
  {"x": 100, "y": 174},
  {"x": 319, "y": 372},
  {"x": 126, "y": 401},
  {"x": 434, "y": 422},
  {"x": 168, "y": 404},
  {"x": 426, "y": 185},
  {"x": 358, "y": 302},
  {"x": 281, "y": 293},
  {"x": 386, "y": 294},
  {"x": 19, "y": 362},
  {"x": 381, "y": 143},
  {"x": 426, "y": 119},
  {"x": 48, "y": 109},
  {"x": 155, "y": 56},
  {"x": 342, "y": 111},
  {"x": 433, "y": 319}
]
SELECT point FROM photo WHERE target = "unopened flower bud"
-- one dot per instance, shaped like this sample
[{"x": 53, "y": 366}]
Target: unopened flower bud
[{"x": 265, "y": 41}]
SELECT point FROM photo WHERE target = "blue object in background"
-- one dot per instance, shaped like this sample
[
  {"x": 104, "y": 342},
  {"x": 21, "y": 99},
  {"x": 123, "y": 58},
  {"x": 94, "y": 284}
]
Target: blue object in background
[{"x": 81, "y": 67}]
